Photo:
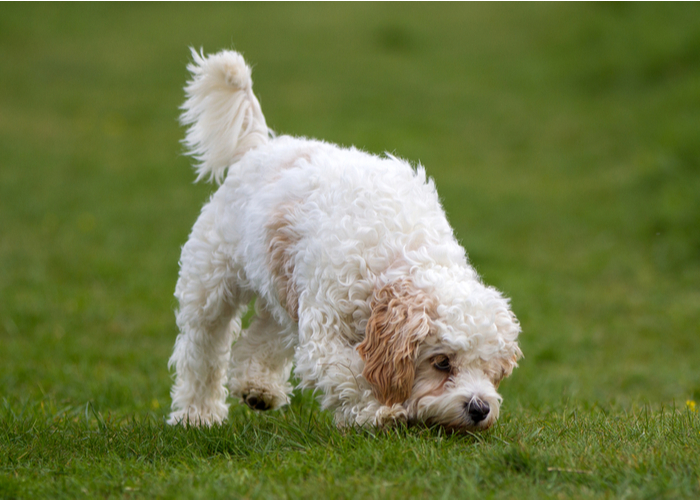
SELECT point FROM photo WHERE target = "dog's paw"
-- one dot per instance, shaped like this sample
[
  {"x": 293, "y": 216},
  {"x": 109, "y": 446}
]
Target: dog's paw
[
  {"x": 256, "y": 402},
  {"x": 390, "y": 415},
  {"x": 193, "y": 416},
  {"x": 261, "y": 400}
]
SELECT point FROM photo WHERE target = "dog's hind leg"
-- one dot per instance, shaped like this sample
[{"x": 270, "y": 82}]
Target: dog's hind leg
[
  {"x": 261, "y": 362},
  {"x": 209, "y": 318}
]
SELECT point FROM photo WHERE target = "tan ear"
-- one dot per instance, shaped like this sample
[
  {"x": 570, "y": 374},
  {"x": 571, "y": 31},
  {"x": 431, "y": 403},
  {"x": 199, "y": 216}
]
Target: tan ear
[
  {"x": 399, "y": 321},
  {"x": 505, "y": 366},
  {"x": 508, "y": 329}
]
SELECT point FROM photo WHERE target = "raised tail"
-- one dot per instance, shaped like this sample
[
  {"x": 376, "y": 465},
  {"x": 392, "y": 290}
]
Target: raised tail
[{"x": 223, "y": 115}]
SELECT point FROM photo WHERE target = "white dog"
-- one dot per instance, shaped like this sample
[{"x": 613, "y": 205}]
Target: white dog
[{"x": 359, "y": 280}]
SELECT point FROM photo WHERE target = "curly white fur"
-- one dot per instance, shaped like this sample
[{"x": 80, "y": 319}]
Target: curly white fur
[{"x": 358, "y": 277}]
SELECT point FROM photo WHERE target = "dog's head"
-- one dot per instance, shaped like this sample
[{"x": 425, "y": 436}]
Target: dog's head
[{"x": 440, "y": 350}]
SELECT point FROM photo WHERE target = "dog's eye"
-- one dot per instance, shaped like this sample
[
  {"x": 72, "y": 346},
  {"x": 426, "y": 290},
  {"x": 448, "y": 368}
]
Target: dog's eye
[{"x": 442, "y": 363}]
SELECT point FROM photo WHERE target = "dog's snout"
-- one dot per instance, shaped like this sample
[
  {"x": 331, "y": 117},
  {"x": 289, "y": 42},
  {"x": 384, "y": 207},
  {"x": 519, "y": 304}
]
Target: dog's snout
[{"x": 477, "y": 409}]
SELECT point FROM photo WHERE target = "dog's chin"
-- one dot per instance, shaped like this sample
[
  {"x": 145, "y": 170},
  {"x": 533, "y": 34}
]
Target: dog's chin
[{"x": 453, "y": 427}]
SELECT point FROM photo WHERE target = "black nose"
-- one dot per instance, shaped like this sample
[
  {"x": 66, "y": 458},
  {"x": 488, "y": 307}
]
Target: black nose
[{"x": 477, "y": 409}]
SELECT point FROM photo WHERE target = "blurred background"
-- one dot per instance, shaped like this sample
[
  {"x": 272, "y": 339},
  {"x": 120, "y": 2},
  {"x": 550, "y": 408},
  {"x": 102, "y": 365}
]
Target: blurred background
[{"x": 563, "y": 138}]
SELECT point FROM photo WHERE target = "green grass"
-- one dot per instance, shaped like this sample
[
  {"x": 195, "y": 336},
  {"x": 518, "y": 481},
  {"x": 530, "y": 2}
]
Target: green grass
[
  {"x": 563, "y": 140},
  {"x": 586, "y": 452}
]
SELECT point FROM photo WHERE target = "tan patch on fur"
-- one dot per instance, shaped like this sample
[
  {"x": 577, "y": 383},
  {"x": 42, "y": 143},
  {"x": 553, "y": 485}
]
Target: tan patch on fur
[
  {"x": 399, "y": 322},
  {"x": 295, "y": 156},
  {"x": 502, "y": 368},
  {"x": 280, "y": 259},
  {"x": 429, "y": 381},
  {"x": 301, "y": 154}
]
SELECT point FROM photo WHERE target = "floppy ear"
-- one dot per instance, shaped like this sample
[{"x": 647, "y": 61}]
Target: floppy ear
[
  {"x": 504, "y": 366},
  {"x": 399, "y": 321},
  {"x": 508, "y": 330}
]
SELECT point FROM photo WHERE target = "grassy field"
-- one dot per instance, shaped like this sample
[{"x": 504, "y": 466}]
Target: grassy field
[{"x": 564, "y": 140}]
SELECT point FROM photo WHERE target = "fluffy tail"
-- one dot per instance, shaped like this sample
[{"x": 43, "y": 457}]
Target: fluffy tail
[{"x": 223, "y": 114}]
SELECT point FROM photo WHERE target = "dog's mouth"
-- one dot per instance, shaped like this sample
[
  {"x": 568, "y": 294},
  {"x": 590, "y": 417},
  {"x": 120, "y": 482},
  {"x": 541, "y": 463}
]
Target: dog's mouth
[
  {"x": 461, "y": 425},
  {"x": 452, "y": 427}
]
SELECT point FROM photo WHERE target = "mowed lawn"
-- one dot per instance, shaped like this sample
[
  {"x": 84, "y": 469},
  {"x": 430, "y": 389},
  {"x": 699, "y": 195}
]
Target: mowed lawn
[{"x": 564, "y": 140}]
